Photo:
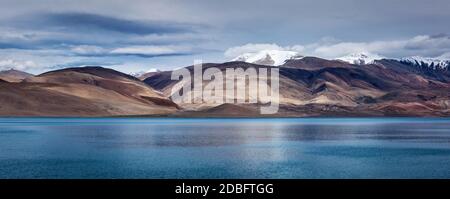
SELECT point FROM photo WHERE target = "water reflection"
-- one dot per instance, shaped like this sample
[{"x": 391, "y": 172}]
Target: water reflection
[{"x": 224, "y": 148}]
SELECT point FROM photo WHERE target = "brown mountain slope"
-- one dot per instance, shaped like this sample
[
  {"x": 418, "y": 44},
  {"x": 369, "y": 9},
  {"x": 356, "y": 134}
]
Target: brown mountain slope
[
  {"x": 315, "y": 63},
  {"x": 88, "y": 91},
  {"x": 28, "y": 99},
  {"x": 14, "y": 75},
  {"x": 315, "y": 87},
  {"x": 312, "y": 87}
]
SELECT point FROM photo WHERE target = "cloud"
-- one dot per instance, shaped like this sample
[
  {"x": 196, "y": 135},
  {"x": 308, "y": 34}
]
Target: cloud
[
  {"x": 88, "y": 50},
  {"x": 16, "y": 64},
  {"x": 165, "y": 39},
  {"x": 57, "y": 30},
  {"x": 445, "y": 56},
  {"x": 92, "y": 29},
  {"x": 421, "y": 45},
  {"x": 138, "y": 50},
  {"x": 152, "y": 50},
  {"x": 251, "y": 48},
  {"x": 55, "y": 40},
  {"x": 6, "y": 45},
  {"x": 95, "y": 22}
]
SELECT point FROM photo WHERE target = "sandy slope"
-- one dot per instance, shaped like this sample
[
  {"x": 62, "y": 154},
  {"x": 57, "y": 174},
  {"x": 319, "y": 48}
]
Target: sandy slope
[
  {"x": 91, "y": 91},
  {"x": 318, "y": 87}
]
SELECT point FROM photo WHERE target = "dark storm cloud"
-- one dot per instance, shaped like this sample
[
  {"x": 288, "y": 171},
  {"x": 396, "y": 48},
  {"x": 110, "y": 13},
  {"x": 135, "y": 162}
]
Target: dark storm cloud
[
  {"x": 6, "y": 45},
  {"x": 97, "y": 35},
  {"x": 93, "y": 22}
]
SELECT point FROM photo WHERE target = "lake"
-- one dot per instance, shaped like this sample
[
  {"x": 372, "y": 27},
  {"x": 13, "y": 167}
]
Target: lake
[{"x": 224, "y": 148}]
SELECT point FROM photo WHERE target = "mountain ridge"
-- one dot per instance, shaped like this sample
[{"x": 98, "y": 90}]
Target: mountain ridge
[
  {"x": 282, "y": 57},
  {"x": 309, "y": 87},
  {"x": 84, "y": 91},
  {"x": 268, "y": 57},
  {"x": 321, "y": 87},
  {"x": 13, "y": 75}
]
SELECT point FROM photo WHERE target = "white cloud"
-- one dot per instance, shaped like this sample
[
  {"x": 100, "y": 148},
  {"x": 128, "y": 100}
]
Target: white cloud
[
  {"x": 140, "y": 50},
  {"x": 170, "y": 38},
  {"x": 16, "y": 64},
  {"x": 445, "y": 56},
  {"x": 422, "y": 45},
  {"x": 152, "y": 70},
  {"x": 250, "y": 48},
  {"x": 88, "y": 50},
  {"x": 151, "y": 50}
]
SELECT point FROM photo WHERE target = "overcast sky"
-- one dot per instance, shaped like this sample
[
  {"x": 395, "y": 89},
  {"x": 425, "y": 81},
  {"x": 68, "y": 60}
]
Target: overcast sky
[{"x": 138, "y": 35}]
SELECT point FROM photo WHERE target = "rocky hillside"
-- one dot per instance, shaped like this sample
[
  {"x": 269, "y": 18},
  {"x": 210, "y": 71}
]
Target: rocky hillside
[
  {"x": 14, "y": 75},
  {"x": 87, "y": 91},
  {"x": 317, "y": 87},
  {"x": 309, "y": 86}
]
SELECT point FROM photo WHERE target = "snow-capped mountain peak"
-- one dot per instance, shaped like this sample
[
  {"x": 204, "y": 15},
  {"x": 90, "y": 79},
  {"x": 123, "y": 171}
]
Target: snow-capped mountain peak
[
  {"x": 268, "y": 57},
  {"x": 140, "y": 73},
  {"x": 360, "y": 58},
  {"x": 427, "y": 61}
]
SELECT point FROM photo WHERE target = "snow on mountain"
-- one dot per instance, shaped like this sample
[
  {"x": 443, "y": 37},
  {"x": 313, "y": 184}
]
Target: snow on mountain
[
  {"x": 426, "y": 61},
  {"x": 268, "y": 57},
  {"x": 137, "y": 74},
  {"x": 279, "y": 57},
  {"x": 140, "y": 73},
  {"x": 367, "y": 58},
  {"x": 360, "y": 58}
]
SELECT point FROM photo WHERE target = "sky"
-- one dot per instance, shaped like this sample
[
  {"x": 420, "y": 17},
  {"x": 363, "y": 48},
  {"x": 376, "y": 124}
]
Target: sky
[{"x": 141, "y": 35}]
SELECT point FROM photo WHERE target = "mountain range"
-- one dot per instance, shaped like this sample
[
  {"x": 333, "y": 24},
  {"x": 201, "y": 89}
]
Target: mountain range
[{"x": 356, "y": 85}]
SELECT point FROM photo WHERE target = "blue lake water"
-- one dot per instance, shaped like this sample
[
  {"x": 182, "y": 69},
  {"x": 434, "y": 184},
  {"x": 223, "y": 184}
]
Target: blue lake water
[{"x": 224, "y": 148}]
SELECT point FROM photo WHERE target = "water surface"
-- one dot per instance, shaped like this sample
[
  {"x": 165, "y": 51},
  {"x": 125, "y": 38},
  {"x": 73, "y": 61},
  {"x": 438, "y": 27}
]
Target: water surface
[{"x": 224, "y": 148}]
